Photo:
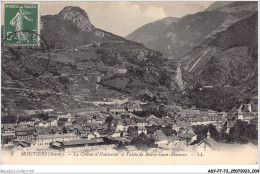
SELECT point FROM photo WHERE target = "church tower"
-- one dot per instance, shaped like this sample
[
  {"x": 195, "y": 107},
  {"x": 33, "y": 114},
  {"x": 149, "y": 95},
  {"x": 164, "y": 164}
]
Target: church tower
[{"x": 208, "y": 135}]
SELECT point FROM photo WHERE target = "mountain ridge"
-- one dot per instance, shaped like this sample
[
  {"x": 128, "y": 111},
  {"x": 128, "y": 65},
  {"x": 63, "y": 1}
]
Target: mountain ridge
[{"x": 180, "y": 37}]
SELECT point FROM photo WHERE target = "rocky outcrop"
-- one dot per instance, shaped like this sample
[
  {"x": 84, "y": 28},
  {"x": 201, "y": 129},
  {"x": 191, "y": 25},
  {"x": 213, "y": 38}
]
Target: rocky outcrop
[{"x": 78, "y": 17}]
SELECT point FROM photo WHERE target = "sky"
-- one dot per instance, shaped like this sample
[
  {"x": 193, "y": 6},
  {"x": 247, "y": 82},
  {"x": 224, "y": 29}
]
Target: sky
[{"x": 124, "y": 17}]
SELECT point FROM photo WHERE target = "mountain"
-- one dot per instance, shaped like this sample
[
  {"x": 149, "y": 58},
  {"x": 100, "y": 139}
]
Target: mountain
[
  {"x": 218, "y": 49},
  {"x": 72, "y": 27},
  {"x": 228, "y": 58},
  {"x": 178, "y": 38},
  {"x": 216, "y": 68},
  {"x": 227, "y": 62},
  {"x": 80, "y": 55},
  {"x": 149, "y": 33},
  {"x": 218, "y": 4}
]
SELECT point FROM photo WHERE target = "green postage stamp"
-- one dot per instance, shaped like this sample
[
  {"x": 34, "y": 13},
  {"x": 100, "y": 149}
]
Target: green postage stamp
[{"x": 21, "y": 24}]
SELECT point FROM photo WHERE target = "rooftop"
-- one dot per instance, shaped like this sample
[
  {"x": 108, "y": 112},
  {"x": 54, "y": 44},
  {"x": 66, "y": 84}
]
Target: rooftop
[
  {"x": 83, "y": 142},
  {"x": 160, "y": 136},
  {"x": 68, "y": 135}
]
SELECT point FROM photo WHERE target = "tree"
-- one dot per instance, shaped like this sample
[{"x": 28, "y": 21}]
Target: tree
[
  {"x": 132, "y": 131},
  {"x": 223, "y": 136},
  {"x": 242, "y": 132},
  {"x": 109, "y": 120},
  {"x": 168, "y": 131},
  {"x": 142, "y": 142},
  {"x": 8, "y": 119},
  {"x": 202, "y": 130}
]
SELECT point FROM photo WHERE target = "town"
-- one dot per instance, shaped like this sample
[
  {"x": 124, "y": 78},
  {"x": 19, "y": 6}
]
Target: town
[{"x": 124, "y": 124}]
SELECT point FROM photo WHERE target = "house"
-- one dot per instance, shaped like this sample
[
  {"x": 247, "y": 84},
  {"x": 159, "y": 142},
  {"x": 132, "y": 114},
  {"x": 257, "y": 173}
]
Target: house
[
  {"x": 141, "y": 122},
  {"x": 214, "y": 119},
  {"x": 64, "y": 117},
  {"x": 8, "y": 128},
  {"x": 120, "y": 127},
  {"x": 68, "y": 124},
  {"x": 130, "y": 122},
  {"x": 22, "y": 134},
  {"x": 207, "y": 145},
  {"x": 142, "y": 129},
  {"x": 100, "y": 120},
  {"x": 77, "y": 128},
  {"x": 27, "y": 123},
  {"x": 117, "y": 140},
  {"x": 160, "y": 138},
  {"x": 52, "y": 122},
  {"x": 188, "y": 136},
  {"x": 69, "y": 129},
  {"x": 42, "y": 124},
  {"x": 151, "y": 117},
  {"x": 153, "y": 122},
  {"x": 56, "y": 130},
  {"x": 245, "y": 116},
  {"x": 7, "y": 139},
  {"x": 43, "y": 130},
  {"x": 82, "y": 134},
  {"x": 8, "y": 134},
  {"x": 87, "y": 129}
]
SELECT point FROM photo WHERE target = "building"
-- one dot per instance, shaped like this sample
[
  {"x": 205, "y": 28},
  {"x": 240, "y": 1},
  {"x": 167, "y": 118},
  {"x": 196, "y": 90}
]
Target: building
[
  {"x": 117, "y": 110},
  {"x": 78, "y": 145},
  {"x": 188, "y": 136},
  {"x": 160, "y": 138},
  {"x": 27, "y": 123},
  {"x": 121, "y": 127},
  {"x": 52, "y": 122},
  {"x": 24, "y": 134},
  {"x": 8, "y": 128},
  {"x": 141, "y": 122},
  {"x": 142, "y": 129},
  {"x": 43, "y": 141},
  {"x": 134, "y": 109},
  {"x": 42, "y": 124},
  {"x": 245, "y": 116},
  {"x": 210, "y": 144}
]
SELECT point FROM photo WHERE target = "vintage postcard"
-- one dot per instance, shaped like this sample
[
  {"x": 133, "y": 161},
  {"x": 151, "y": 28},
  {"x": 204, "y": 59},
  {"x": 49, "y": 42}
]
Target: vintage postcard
[{"x": 129, "y": 82}]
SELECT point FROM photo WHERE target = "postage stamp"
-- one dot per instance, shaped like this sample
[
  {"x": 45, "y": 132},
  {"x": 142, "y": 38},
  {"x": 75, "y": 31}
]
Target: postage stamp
[{"x": 21, "y": 20}]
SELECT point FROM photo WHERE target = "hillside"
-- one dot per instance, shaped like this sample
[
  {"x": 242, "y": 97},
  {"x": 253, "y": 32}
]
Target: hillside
[
  {"x": 72, "y": 27},
  {"x": 228, "y": 60},
  {"x": 80, "y": 55},
  {"x": 178, "y": 38},
  {"x": 149, "y": 33},
  {"x": 96, "y": 64}
]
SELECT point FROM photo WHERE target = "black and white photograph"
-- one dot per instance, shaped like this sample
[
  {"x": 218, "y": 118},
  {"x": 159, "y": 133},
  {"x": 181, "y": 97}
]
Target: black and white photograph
[{"x": 129, "y": 82}]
